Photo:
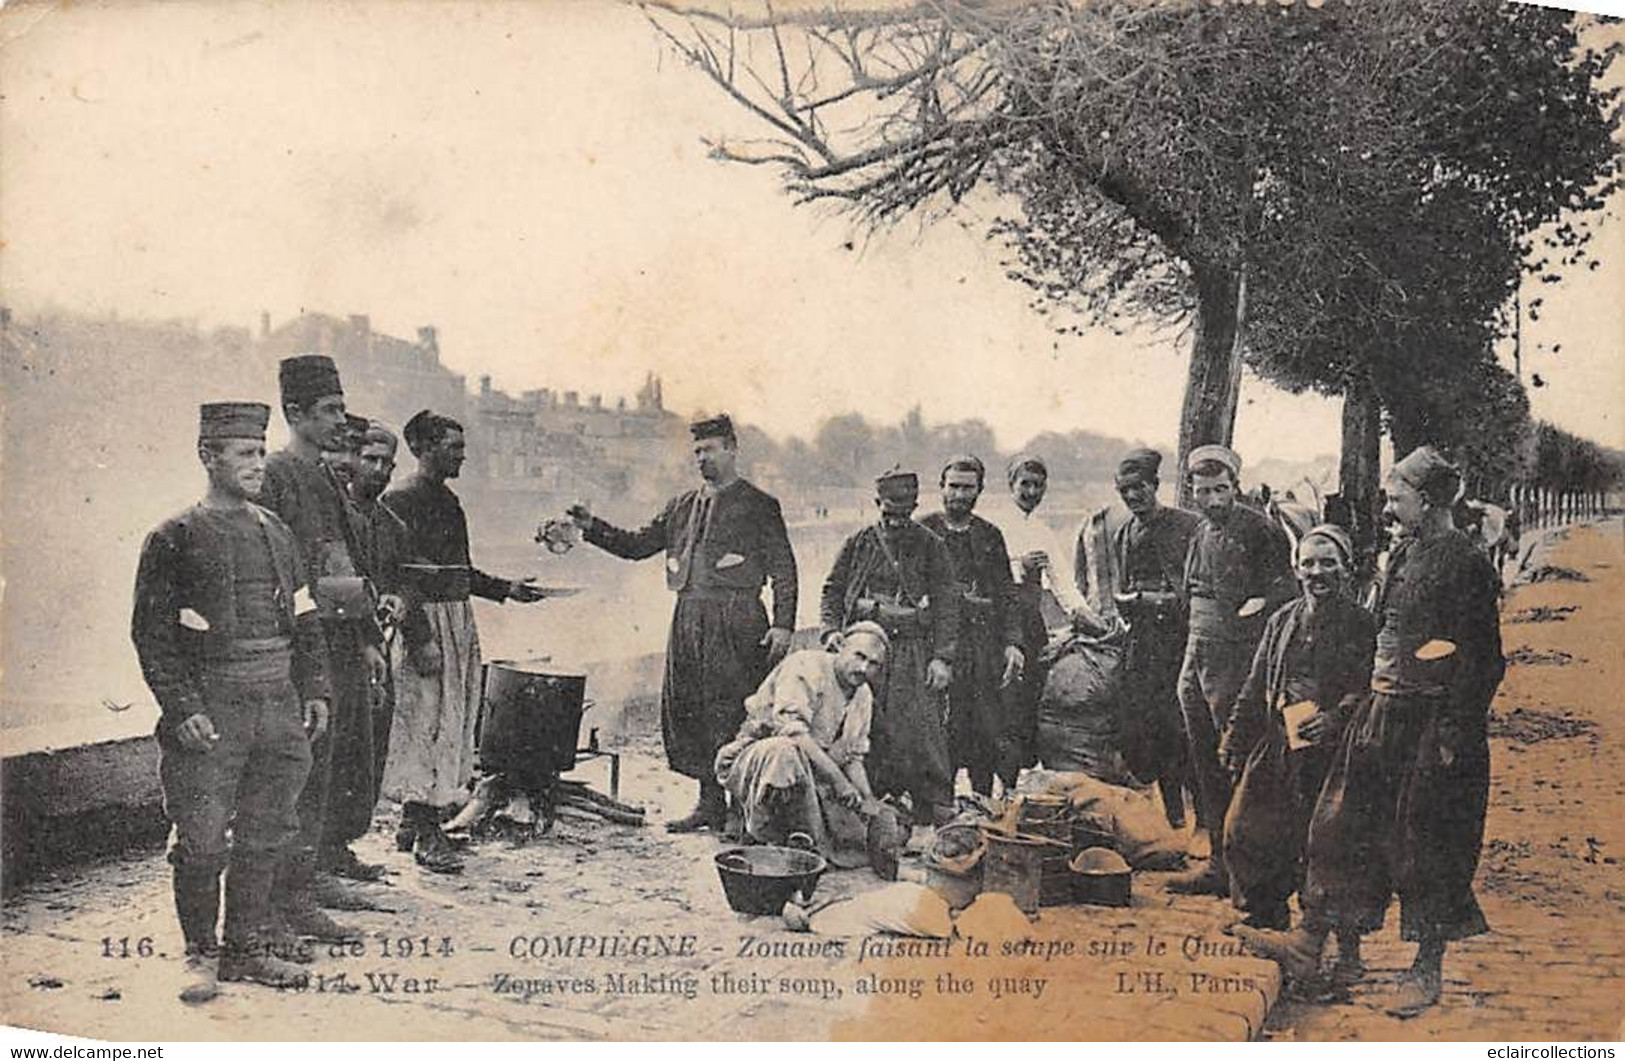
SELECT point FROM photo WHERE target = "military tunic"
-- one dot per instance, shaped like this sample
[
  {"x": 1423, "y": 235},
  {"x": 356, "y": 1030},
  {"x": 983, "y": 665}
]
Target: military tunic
[
  {"x": 1403, "y": 806},
  {"x": 224, "y": 626},
  {"x": 1242, "y": 557},
  {"x": 1320, "y": 654},
  {"x": 1148, "y": 556},
  {"x": 907, "y": 568},
  {"x": 336, "y": 806},
  {"x": 721, "y": 546},
  {"x": 980, "y": 735}
]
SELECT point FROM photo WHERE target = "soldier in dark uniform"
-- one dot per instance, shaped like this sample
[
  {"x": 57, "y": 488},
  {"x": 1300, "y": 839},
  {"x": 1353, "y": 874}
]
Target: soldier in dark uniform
[
  {"x": 1402, "y": 810},
  {"x": 301, "y": 489},
  {"x": 990, "y": 630},
  {"x": 722, "y": 542},
  {"x": 897, "y": 573},
  {"x": 431, "y": 740},
  {"x": 226, "y": 632},
  {"x": 1237, "y": 573},
  {"x": 1148, "y": 564},
  {"x": 385, "y": 544}
]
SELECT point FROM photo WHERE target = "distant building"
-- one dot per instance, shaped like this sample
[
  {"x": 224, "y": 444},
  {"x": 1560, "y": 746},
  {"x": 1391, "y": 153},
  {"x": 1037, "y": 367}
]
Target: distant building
[{"x": 541, "y": 447}]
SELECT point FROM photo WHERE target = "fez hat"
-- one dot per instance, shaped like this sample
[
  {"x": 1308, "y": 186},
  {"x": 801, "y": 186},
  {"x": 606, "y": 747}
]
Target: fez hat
[
  {"x": 1337, "y": 536},
  {"x": 897, "y": 485},
  {"x": 222, "y": 420},
  {"x": 1144, "y": 462},
  {"x": 307, "y": 377},
  {"x": 1222, "y": 454},
  {"x": 719, "y": 426},
  {"x": 1022, "y": 462},
  {"x": 378, "y": 431},
  {"x": 1426, "y": 469}
]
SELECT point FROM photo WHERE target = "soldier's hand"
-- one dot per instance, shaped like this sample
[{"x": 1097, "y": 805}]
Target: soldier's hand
[
  {"x": 1037, "y": 560},
  {"x": 1014, "y": 663},
  {"x": 938, "y": 675},
  {"x": 197, "y": 733},
  {"x": 315, "y": 719},
  {"x": 523, "y": 591},
  {"x": 777, "y": 641},
  {"x": 581, "y": 514},
  {"x": 425, "y": 658},
  {"x": 392, "y": 607},
  {"x": 1314, "y": 726},
  {"x": 377, "y": 666}
]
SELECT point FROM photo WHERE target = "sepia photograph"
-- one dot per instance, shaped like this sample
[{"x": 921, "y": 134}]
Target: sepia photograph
[{"x": 819, "y": 520}]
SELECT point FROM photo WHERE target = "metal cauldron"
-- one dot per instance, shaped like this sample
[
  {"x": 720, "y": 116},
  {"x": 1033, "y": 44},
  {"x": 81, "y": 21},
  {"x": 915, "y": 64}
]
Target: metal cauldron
[
  {"x": 531, "y": 725},
  {"x": 760, "y": 880}
]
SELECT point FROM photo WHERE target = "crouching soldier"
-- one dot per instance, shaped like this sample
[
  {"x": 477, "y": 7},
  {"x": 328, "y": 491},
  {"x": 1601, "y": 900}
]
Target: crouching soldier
[{"x": 228, "y": 639}]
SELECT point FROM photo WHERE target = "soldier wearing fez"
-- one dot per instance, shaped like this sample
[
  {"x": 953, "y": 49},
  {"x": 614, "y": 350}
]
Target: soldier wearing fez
[
  {"x": 898, "y": 574},
  {"x": 722, "y": 541},
  {"x": 431, "y": 739},
  {"x": 227, "y": 634},
  {"x": 303, "y": 491},
  {"x": 1148, "y": 572},
  {"x": 385, "y": 544}
]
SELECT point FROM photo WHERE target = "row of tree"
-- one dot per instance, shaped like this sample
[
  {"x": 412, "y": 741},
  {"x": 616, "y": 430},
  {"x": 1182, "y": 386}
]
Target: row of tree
[
  {"x": 1345, "y": 196},
  {"x": 848, "y": 450}
]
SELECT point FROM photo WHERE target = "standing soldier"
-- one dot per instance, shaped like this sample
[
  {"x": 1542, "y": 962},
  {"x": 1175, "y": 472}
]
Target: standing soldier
[
  {"x": 386, "y": 543},
  {"x": 226, "y": 632},
  {"x": 1148, "y": 567},
  {"x": 990, "y": 634},
  {"x": 1238, "y": 572},
  {"x": 1403, "y": 807},
  {"x": 722, "y": 542},
  {"x": 431, "y": 741},
  {"x": 898, "y": 574},
  {"x": 302, "y": 490}
]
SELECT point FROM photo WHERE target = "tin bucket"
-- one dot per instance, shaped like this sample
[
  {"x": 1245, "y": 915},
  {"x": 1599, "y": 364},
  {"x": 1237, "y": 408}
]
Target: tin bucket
[{"x": 1015, "y": 865}]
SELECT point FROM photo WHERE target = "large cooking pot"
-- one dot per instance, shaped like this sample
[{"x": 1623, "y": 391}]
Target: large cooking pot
[
  {"x": 760, "y": 880},
  {"x": 532, "y": 720}
]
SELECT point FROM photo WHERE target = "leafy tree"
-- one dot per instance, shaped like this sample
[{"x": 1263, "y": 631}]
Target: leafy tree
[{"x": 1247, "y": 171}]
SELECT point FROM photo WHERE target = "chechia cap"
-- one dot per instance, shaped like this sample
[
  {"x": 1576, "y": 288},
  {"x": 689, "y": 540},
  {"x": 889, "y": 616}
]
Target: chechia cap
[
  {"x": 305, "y": 378},
  {"x": 898, "y": 486},
  {"x": 719, "y": 426},
  {"x": 1214, "y": 452},
  {"x": 1144, "y": 462},
  {"x": 222, "y": 420}
]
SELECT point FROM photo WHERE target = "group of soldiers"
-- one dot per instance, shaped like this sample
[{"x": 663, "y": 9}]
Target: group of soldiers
[
  {"x": 301, "y": 671},
  {"x": 1330, "y": 751}
]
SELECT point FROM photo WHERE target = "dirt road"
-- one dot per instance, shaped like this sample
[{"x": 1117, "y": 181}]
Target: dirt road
[{"x": 1552, "y": 880}]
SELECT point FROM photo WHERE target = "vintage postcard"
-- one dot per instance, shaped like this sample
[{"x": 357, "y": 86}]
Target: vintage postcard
[{"x": 574, "y": 520}]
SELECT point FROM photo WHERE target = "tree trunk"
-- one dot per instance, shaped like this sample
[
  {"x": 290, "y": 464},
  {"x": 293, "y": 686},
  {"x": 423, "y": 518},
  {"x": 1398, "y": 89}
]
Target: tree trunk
[
  {"x": 1359, "y": 468},
  {"x": 1214, "y": 384}
]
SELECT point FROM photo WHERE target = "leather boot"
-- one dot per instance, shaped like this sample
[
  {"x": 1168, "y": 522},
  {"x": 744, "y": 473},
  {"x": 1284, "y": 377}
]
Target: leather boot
[
  {"x": 1297, "y": 952},
  {"x": 245, "y": 958},
  {"x": 434, "y": 852},
  {"x": 341, "y": 861},
  {"x": 1349, "y": 968},
  {"x": 293, "y": 895},
  {"x": 711, "y": 812},
  {"x": 197, "y": 904}
]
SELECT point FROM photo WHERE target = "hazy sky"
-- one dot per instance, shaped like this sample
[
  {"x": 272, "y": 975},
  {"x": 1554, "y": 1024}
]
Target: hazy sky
[{"x": 528, "y": 177}]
